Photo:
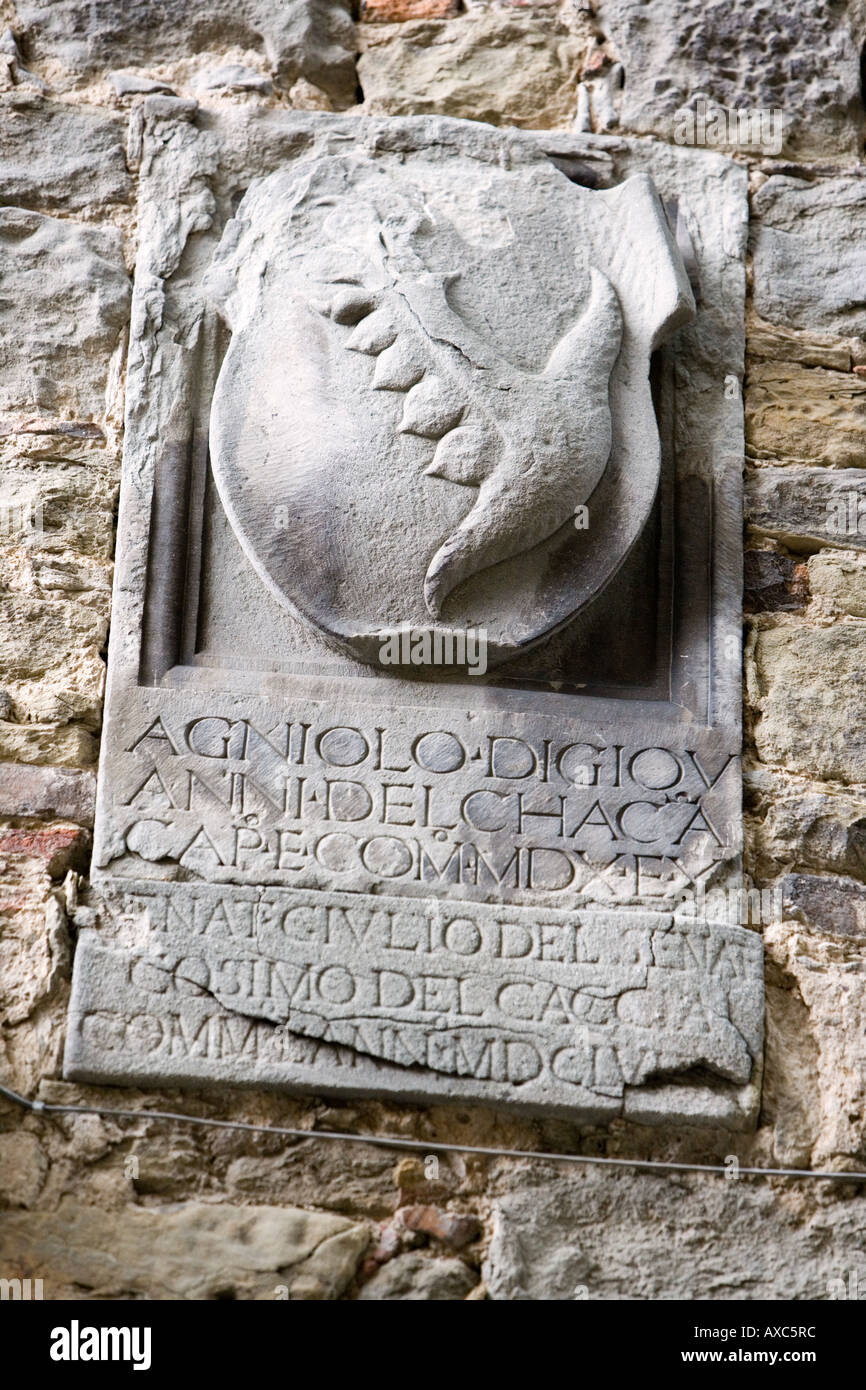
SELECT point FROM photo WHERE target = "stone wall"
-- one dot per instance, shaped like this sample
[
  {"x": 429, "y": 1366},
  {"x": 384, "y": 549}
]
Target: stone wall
[{"x": 115, "y": 1207}]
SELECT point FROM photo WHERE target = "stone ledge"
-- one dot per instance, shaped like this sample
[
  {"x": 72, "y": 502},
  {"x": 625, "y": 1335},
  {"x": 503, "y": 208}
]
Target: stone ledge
[{"x": 45, "y": 792}]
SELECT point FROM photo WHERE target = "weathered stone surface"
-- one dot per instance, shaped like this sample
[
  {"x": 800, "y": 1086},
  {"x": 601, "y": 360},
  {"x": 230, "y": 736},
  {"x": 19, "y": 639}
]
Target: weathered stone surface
[
  {"x": 23, "y": 1166},
  {"x": 68, "y": 486},
  {"x": 809, "y": 831},
  {"x": 394, "y": 11},
  {"x": 46, "y": 792},
  {"x": 808, "y": 415},
  {"x": 48, "y": 576},
  {"x": 62, "y": 637},
  {"x": 306, "y": 96},
  {"x": 833, "y": 905},
  {"x": 184, "y": 1162},
  {"x": 35, "y": 954},
  {"x": 55, "y": 156},
  {"x": 416, "y": 1183},
  {"x": 415, "y": 1278},
  {"x": 69, "y": 745},
  {"x": 770, "y": 340},
  {"x": 827, "y": 1084},
  {"x": 809, "y": 247},
  {"x": 57, "y": 487},
  {"x": 192, "y": 1251},
  {"x": 135, "y": 84},
  {"x": 637, "y": 1236},
  {"x": 450, "y": 1227},
  {"x": 796, "y": 672},
  {"x": 234, "y": 77},
  {"x": 802, "y": 65},
  {"x": 774, "y": 583},
  {"x": 508, "y": 69},
  {"x": 13, "y": 73},
  {"x": 309, "y": 38},
  {"x": 805, "y": 508},
  {"x": 65, "y": 305},
  {"x": 408, "y": 1002},
  {"x": 55, "y": 848},
  {"x": 839, "y": 579}
]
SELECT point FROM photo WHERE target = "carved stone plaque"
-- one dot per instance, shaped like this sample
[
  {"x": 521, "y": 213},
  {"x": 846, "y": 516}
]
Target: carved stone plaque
[
  {"x": 421, "y": 763},
  {"x": 371, "y": 296}
]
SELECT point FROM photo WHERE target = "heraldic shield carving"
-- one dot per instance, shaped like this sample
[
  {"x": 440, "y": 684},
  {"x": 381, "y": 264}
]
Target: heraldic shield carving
[{"x": 428, "y": 376}]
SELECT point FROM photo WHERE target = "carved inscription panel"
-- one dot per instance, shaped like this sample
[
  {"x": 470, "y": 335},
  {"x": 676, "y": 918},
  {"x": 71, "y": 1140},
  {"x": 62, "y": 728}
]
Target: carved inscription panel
[
  {"x": 421, "y": 759},
  {"x": 590, "y": 1013},
  {"x": 487, "y": 807}
]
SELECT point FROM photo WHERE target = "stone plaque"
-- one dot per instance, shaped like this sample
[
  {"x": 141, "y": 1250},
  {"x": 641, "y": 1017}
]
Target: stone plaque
[{"x": 421, "y": 764}]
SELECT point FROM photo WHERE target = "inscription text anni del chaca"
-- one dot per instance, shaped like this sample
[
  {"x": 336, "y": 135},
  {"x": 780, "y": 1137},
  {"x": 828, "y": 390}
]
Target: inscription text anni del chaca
[{"x": 294, "y": 802}]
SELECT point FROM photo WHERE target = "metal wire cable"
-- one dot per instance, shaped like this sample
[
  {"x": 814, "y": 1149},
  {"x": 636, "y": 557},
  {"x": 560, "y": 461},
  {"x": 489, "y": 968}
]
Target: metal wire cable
[{"x": 40, "y": 1107}]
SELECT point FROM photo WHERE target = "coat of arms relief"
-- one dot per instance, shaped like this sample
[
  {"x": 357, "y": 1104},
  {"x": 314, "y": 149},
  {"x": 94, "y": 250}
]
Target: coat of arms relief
[{"x": 428, "y": 379}]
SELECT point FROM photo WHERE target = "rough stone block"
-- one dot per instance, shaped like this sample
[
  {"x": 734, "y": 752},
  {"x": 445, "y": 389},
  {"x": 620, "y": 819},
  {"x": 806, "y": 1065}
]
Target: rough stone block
[
  {"x": 50, "y": 663},
  {"x": 603, "y": 1235},
  {"x": 65, "y": 306},
  {"x": 23, "y": 1166},
  {"x": 774, "y": 583},
  {"x": 58, "y": 157},
  {"x": 452, "y": 1228},
  {"x": 813, "y": 831},
  {"x": 69, "y": 745},
  {"x": 839, "y": 579},
  {"x": 826, "y": 1082},
  {"x": 833, "y": 905},
  {"x": 809, "y": 248},
  {"x": 807, "y": 415},
  {"x": 127, "y": 84},
  {"x": 399, "y": 11},
  {"x": 193, "y": 1250},
  {"x": 808, "y": 685},
  {"x": 808, "y": 507},
  {"x": 769, "y": 340},
  {"x": 300, "y": 38},
  {"x": 416, "y": 1278},
  {"x": 59, "y": 495},
  {"x": 508, "y": 69},
  {"x": 44, "y": 792},
  {"x": 55, "y": 849},
  {"x": 798, "y": 66},
  {"x": 234, "y": 77}
]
